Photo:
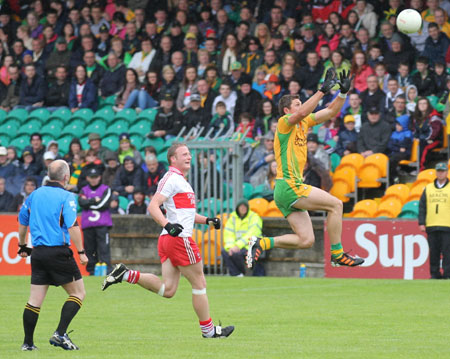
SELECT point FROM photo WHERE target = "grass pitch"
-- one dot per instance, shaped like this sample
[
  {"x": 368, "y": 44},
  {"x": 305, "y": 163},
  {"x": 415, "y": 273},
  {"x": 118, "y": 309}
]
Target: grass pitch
[{"x": 274, "y": 318}]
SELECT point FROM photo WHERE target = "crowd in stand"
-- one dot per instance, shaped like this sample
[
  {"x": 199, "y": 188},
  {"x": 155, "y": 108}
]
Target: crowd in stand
[{"x": 221, "y": 66}]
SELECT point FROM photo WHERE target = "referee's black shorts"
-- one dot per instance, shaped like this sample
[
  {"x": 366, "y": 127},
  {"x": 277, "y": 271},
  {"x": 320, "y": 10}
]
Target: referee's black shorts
[{"x": 53, "y": 266}]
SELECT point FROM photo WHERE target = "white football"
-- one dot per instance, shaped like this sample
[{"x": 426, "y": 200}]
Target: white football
[{"x": 409, "y": 21}]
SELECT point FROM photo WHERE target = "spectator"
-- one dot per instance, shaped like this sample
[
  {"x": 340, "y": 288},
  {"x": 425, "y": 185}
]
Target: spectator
[
  {"x": 94, "y": 200},
  {"x": 114, "y": 77},
  {"x": 144, "y": 59},
  {"x": 247, "y": 98},
  {"x": 103, "y": 43},
  {"x": 440, "y": 78},
  {"x": 279, "y": 45},
  {"x": 195, "y": 116},
  {"x": 222, "y": 121},
  {"x": 128, "y": 97},
  {"x": 69, "y": 35},
  {"x": 94, "y": 141},
  {"x": 190, "y": 49},
  {"x": 92, "y": 161},
  {"x": 111, "y": 166},
  {"x": 57, "y": 94},
  {"x": 241, "y": 225},
  {"x": 23, "y": 34},
  {"x": 348, "y": 42},
  {"x": 168, "y": 120},
  {"x": 212, "y": 76},
  {"x": 310, "y": 173},
  {"x": 32, "y": 89},
  {"x": 177, "y": 65},
  {"x": 74, "y": 148},
  {"x": 393, "y": 92},
  {"x": 38, "y": 150},
  {"x": 223, "y": 26},
  {"x": 12, "y": 97},
  {"x": 310, "y": 75},
  {"x": 39, "y": 56},
  {"x": 169, "y": 82},
  {"x": 387, "y": 33},
  {"x": 338, "y": 62},
  {"x": 373, "y": 96},
  {"x": 60, "y": 57},
  {"x": 348, "y": 137},
  {"x": 187, "y": 87},
  {"x": 316, "y": 151},
  {"x": 411, "y": 98},
  {"x": 83, "y": 93},
  {"x": 76, "y": 166},
  {"x": 154, "y": 171},
  {"x": 428, "y": 129},
  {"x": 374, "y": 134},
  {"x": 48, "y": 158},
  {"x": 271, "y": 64},
  {"x": 128, "y": 178},
  {"x": 252, "y": 58},
  {"x": 363, "y": 39},
  {"x": 227, "y": 96},
  {"x": 266, "y": 113},
  {"x": 246, "y": 124},
  {"x": 329, "y": 37},
  {"x": 19, "y": 199},
  {"x": 398, "y": 109},
  {"x": 229, "y": 54},
  {"x": 396, "y": 55},
  {"x": 131, "y": 42},
  {"x": 94, "y": 71},
  {"x": 261, "y": 157},
  {"x": 262, "y": 33},
  {"x": 235, "y": 76},
  {"x": 399, "y": 145},
  {"x": 367, "y": 16},
  {"x": 274, "y": 91},
  {"x": 375, "y": 57},
  {"x": 53, "y": 146},
  {"x": 436, "y": 44},
  {"x": 5, "y": 197},
  {"x": 440, "y": 17},
  {"x": 402, "y": 76},
  {"x": 87, "y": 44},
  {"x": 139, "y": 204},
  {"x": 118, "y": 26},
  {"x": 355, "y": 109},
  {"x": 126, "y": 149},
  {"x": 267, "y": 180},
  {"x": 259, "y": 83},
  {"x": 300, "y": 50},
  {"x": 27, "y": 167},
  {"x": 309, "y": 36},
  {"x": 361, "y": 70},
  {"x": 423, "y": 79},
  {"x": 207, "y": 95},
  {"x": 114, "y": 207},
  {"x": 97, "y": 19},
  {"x": 176, "y": 35},
  {"x": 434, "y": 219}
]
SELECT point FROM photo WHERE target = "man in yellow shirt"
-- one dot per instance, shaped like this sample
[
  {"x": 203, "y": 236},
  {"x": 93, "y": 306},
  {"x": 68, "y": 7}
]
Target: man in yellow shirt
[{"x": 292, "y": 196}]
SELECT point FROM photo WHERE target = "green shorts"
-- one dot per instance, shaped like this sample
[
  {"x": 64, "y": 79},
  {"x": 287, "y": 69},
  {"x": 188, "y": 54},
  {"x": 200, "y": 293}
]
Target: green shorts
[{"x": 287, "y": 193}]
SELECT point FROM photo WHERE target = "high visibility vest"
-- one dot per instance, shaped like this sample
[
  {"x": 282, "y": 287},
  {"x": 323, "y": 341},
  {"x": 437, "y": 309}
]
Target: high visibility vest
[{"x": 438, "y": 205}]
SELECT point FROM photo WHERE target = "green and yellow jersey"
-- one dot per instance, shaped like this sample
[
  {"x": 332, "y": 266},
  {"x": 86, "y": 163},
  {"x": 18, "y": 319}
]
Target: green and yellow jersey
[{"x": 290, "y": 147}]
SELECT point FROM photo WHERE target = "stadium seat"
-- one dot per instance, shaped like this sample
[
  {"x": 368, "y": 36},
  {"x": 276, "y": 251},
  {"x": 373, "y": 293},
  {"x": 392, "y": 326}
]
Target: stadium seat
[
  {"x": 346, "y": 174},
  {"x": 106, "y": 114},
  {"x": 95, "y": 126},
  {"x": 258, "y": 191},
  {"x": 416, "y": 190},
  {"x": 29, "y": 127},
  {"x": 19, "y": 114},
  {"x": 365, "y": 208},
  {"x": 4, "y": 139},
  {"x": 75, "y": 128},
  {"x": 83, "y": 114},
  {"x": 428, "y": 175},
  {"x": 46, "y": 138},
  {"x": 259, "y": 205},
  {"x": 369, "y": 175},
  {"x": 148, "y": 114},
  {"x": 141, "y": 127},
  {"x": 84, "y": 142},
  {"x": 248, "y": 190},
  {"x": 20, "y": 142},
  {"x": 162, "y": 157},
  {"x": 136, "y": 140},
  {"x": 168, "y": 143},
  {"x": 157, "y": 143},
  {"x": 209, "y": 207},
  {"x": 210, "y": 247},
  {"x": 10, "y": 127},
  {"x": 63, "y": 114},
  {"x": 414, "y": 158},
  {"x": 335, "y": 160},
  {"x": 354, "y": 160},
  {"x": 411, "y": 207},
  {"x": 53, "y": 127},
  {"x": 117, "y": 128},
  {"x": 400, "y": 191},
  {"x": 341, "y": 189},
  {"x": 128, "y": 114},
  {"x": 123, "y": 202},
  {"x": 390, "y": 208},
  {"x": 111, "y": 142},
  {"x": 3, "y": 115},
  {"x": 110, "y": 101},
  {"x": 64, "y": 143},
  {"x": 40, "y": 114},
  {"x": 272, "y": 210}
]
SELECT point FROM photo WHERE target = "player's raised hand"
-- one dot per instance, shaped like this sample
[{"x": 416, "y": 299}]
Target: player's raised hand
[
  {"x": 214, "y": 221},
  {"x": 329, "y": 81},
  {"x": 345, "y": 81},
  {"x": 174, "y": 229}
]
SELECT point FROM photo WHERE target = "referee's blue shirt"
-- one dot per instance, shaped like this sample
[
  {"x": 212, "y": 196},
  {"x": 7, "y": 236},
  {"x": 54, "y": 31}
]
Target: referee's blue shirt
[{"x": 49, "y": 211}]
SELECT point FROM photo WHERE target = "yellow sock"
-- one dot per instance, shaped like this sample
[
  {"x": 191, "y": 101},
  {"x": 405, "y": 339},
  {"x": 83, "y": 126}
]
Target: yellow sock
[{"x": 266, "y": 243}]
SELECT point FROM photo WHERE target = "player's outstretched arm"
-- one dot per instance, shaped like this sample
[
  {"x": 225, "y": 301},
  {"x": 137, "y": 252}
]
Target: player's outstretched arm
[
  {"x": 333, "y": 109},
  {"x": 313, "y": 101},
  {"x": 154, "y": 210}
]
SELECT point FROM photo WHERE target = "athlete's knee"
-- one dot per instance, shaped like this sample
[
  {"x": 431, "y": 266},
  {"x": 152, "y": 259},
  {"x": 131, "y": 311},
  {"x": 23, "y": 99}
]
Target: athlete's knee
[
  {"x": 305, "y": 241},
  {"x": 337, "y": 206},
  {"x": 169, "y": 292},
  {"x": 79, "y": 293}
]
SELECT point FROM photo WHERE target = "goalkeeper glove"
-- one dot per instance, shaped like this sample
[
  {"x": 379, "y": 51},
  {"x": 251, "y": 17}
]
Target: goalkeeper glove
[
  {"x": 174, "y": 229},
  {"x": 345, "y": 81},
  {"x": 330, "y": 81},
  {"x": 24, "y": 249},
  {"x": 214, "y": 221}
]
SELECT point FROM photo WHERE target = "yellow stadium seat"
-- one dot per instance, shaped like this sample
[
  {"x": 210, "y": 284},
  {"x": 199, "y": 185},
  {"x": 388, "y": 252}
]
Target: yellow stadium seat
[
  {"x": 346, "y": 174},
  {"x": 413, "y": 160},
  {"x": 380, "y": 160},
  {"x": 445, "y": 140},
  {"x": 354, "y": 160},
  {"x": 416, "y": 190},
  {"x": 341, "y": 189},
  {"x": 273, "y": 212},
  {"x": 213, "y": 239},
  {"x": 369, "y": 175},
  {"x": 389, "y": 208},
  {"x": 368, "y": 206},
  {"x": 259, "y": 205},
  {"x": 399, "y": 191},
  {"x": 428, "y": 175},
  {"x": 360, "y": 213}
]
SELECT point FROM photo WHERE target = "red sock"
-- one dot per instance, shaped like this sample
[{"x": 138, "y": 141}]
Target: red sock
[
  {"x": 133, "y": 276},
  {"x": 207, "y": 327}
]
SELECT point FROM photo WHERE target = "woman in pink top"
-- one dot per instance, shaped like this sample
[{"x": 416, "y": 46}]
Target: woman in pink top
[{"x": 361, "y": 70}]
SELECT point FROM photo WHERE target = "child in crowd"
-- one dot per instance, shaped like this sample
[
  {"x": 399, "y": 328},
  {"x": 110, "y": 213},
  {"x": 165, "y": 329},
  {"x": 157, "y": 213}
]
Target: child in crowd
[
  {"x": 411, "y": 98},
  {"x": 139, "y": 204},
  {"x": 222, "y": 120},
  {"x": 246, "y": 122},
  {"x": 399, "y": 145},
  {"x": 347, "y": 137}
]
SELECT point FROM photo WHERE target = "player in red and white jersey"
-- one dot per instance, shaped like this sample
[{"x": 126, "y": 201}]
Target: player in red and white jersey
[{"x": 178, "y": 251}]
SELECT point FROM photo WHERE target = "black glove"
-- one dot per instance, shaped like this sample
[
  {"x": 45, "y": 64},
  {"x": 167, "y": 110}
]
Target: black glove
[
  {"x": 174, "y": 229},
  {"x": 24, "y": 249},
  {"x": 345, "y": 81},
  {"x": 214, "y": 221},
  {"x": 330, "y": 80}
]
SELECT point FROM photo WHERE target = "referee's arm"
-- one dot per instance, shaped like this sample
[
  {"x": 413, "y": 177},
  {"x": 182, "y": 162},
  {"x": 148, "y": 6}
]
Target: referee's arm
[{"x": 75, "y": 236}]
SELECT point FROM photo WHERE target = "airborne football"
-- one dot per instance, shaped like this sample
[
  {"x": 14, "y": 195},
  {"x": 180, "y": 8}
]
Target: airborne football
[{"x": 409, "y": 21}]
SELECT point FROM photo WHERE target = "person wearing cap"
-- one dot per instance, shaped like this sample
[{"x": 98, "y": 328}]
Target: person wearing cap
[
  {"x": 436, "y": 44},
  {"x": 252, "y": 57},
  {"x": 29, "y": 185},
  {"x": 53, "y": 146},
  {"x": 167, "y": 120},
  {"x": 397, "y": 54},
  {"x": 103, "y": 42},
  {"x": 128, "y": 149},
  {"x": 95, "y": 144},
  {"x": 279, "y": 45},
  {"x": 139, "y": 204},
  {"x": 309, "y": 36},
  {"x": 271, "y": 65},
  {"x": 347, "y": 137},
  {"x": 316, "y": 151},
  {"x": 195, "y": 115},
  {"x": 205, "y": 22},
  {"x": 434, "y": 219},
  {"x": 190, "y": 49},
  {"x": 144, "y": 59},
  {"x": 94, "y": 199},
  {"x": 235, "y": 75},
  {"x": 292, "y": 196},
  {"x": 248, "y": 99},
  {"x": 58, "y": 90},
  {"x": 60, "y": 57},
  {"x": 273, "y": 91},
  {"x": 7, "y": 169},
  {"x": 27, "y": 167},
  {"x": 111, "y": 167},
  {"x": 91, "y": 161},
  {"x": 374, "y": 135},
  {"x": 128, "y": 177}
]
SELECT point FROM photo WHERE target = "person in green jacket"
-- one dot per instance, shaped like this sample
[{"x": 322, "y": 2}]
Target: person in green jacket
[{"x": 241, "y": 225}]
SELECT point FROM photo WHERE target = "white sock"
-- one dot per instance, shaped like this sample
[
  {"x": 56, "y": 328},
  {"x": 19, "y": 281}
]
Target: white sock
[{"x": 126, "y": 275}]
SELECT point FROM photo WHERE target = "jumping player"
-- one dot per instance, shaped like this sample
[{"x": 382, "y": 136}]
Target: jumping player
[
  {"x": 291, "y": 195},
  {"x": 178, "y": 252}
]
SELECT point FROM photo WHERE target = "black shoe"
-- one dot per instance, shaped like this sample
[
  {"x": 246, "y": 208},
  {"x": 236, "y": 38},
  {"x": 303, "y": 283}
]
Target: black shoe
[
  {"x": 115, "y": 276},
  {"x": 220, "y": 332},
  {"x": 26, "y": 347},
  {"x": 346, "y": 260},
  {"x": 254, "y": 251},
  {"x": 62, "y": 341}
]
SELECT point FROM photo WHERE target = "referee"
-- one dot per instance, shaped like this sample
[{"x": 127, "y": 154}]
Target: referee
[{"x": 51, "y": 213}]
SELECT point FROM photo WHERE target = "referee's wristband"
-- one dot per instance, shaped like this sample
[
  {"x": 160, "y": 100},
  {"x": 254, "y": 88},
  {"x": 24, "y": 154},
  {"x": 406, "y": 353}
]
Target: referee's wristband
[{"x": 82, "y": 252}]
